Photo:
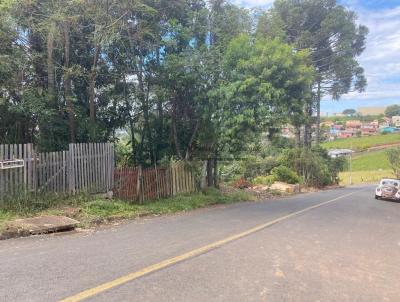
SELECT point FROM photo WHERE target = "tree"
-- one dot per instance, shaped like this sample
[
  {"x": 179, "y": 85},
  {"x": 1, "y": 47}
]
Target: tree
[
  {"x": 263, "y": 87},
  {"x": 394, "y": 160},
  {"x": 349, "y": 112},
  {"x": 392, "y": 110},
  {"x": 334, "y": 39}
]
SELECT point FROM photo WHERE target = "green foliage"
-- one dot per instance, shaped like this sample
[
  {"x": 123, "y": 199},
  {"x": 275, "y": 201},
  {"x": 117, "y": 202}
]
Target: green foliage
[
  {"x": 313, "y": 165},
  {"x": 350, "y": 112},
  {"x": 392, "y": 110},
  {"x": 394, "y": 160},
  {"x": 254, "y": 167},
  {"x": 264, "y": 180},
  {"x": 285, "y": 174},
  {"x": 265, "y": 83},
  {"x": 89, "y": 210},
  {"x": 333, "y": 37}
]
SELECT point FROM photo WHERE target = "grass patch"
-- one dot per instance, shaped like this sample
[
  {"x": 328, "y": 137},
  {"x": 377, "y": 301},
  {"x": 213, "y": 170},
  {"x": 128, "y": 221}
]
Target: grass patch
[
  {"x": 370, "y": 161},
  {"x": 363, "y": 143},
  {"x": 89, "y": 210},
  {"x": 364, "y": 177}
]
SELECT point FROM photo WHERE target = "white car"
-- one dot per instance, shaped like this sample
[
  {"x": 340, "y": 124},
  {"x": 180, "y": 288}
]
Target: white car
[{"x": 388, "y": 188}]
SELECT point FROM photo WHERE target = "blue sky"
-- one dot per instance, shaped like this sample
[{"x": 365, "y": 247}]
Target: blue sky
[{"x": 381, "y": 59}]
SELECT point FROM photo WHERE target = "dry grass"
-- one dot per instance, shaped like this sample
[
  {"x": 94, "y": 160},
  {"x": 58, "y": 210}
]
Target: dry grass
[{"x": 364, "y": 177}]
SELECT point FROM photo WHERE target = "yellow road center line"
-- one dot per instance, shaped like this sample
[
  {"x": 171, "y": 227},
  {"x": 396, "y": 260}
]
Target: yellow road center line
[{"x": 166, "y": 263}]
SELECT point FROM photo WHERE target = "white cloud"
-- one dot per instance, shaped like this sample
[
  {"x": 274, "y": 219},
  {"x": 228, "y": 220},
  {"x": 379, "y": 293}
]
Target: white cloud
[{"x": 381, "y": 58}]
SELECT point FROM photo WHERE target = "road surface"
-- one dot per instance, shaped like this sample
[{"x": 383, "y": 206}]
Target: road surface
[{"x": 339, "y": 245}]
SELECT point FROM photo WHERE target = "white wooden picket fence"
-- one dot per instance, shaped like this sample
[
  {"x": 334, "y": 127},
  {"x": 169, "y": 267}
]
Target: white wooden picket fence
[{"x": 82, "y": 168}]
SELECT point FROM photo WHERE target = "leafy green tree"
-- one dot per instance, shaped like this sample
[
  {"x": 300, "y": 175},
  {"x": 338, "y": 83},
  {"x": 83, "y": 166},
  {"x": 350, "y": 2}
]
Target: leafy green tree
[
  {"x": 350, "y": 112},
  {"x": 392, "y": 110},
  {"x": 334, "y": 39},
  {"x": 264, "y": 85},
  {"x": 394, "y": 160}
]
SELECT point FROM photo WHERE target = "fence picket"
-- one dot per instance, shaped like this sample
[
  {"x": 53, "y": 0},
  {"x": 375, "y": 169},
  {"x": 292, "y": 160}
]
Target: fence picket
[{"x": 82, "y": 168}]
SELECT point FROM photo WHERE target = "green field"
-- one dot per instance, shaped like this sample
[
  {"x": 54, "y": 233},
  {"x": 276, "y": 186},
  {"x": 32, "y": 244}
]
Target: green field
[
  {"x": 370, "y": 161},
  {"x": 367, "y": 167},
  {"x": 363, "y": 143}
]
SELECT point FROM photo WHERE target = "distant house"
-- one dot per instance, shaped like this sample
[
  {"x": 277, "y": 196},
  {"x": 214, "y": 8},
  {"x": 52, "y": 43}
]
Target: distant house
[
  {"x": 353, "y": 124},
  {"x": 339, "y": 152},
  {"x": 346, "y": 133},
  {"x": 387, "y": 121},
  {"x": 368, "y": 130},
  {"x": 371, "y": 110},
  {"x": 396, "y": 121},
  {"x": 375, "y": 124}
]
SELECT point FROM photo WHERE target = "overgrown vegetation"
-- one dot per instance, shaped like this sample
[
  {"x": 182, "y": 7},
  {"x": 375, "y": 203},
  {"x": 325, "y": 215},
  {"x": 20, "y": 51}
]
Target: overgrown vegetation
[
  {"x": 393, "y": 156},
  {"x": 188, "y": 80},
  {"x": 91, "y": 210},
  {"x": 312, "y": 167},
  {"x": 182, "y": 79}
]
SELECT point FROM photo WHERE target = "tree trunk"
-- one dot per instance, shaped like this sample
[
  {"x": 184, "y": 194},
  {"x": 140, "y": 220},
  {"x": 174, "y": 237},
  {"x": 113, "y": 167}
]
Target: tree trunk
[
  {"x": 193, "y": 136},
  {"x": 216, "y": 178},
  {"x": 92, "y": 85},
  {"x": 210, "y": 174},
  {"x": 67, "y": 83},
  {"x": 50, "y": 63},
  {"x": 318, "y": 122},
  {"x": 307, "y": 125},
  {"x": 175, "y": 137},
  {"x": 133, "y": 141},
  {"x": 297, "y": 133}
]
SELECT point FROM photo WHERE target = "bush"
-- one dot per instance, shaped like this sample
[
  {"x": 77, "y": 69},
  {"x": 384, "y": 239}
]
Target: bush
[
  {"x": 254, "y": 167},
  {"x": 314, "y": 166},
  {"x": 264, "y": 180},
  {"x": 394, "y": 160},
  {"x": 285, "y": 174},
  {"x": 232, "y": 171}
]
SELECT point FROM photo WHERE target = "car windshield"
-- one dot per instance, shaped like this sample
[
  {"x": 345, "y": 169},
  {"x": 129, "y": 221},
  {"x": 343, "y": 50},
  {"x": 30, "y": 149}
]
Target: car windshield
[{"x": 388, "y": 182}]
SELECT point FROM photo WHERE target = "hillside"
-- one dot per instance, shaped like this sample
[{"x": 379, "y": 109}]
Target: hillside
[
  {"x": 370, "y": 161},
  {"x": 364, "y": 142}
]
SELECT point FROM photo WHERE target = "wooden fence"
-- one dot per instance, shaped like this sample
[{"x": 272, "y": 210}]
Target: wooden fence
[
  {"x": 82, "y": 168},
  {"x": 139, "y": 184}
]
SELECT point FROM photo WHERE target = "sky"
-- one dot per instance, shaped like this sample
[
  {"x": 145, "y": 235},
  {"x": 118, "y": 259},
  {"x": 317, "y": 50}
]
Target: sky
[{"x": 381, "y": 58}]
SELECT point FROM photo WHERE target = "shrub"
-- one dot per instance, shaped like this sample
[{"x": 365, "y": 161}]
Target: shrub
[
  {"x": 264, "y": 180},
  {"x": 285, "y": 174},
  {"x": 394, "y": 160},
  {"x": 232, "y": 171},
  {"x": 254, "y": 167},
  {"x": 314, "y": 166}
]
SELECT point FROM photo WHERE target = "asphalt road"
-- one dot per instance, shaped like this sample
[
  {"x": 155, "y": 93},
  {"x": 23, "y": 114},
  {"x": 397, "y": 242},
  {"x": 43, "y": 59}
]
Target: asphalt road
[{"x": 346, "y": 249}]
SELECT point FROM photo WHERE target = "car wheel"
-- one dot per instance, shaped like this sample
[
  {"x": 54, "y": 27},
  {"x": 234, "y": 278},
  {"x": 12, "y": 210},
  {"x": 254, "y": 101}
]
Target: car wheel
[{"x": 377, "y": 197}]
